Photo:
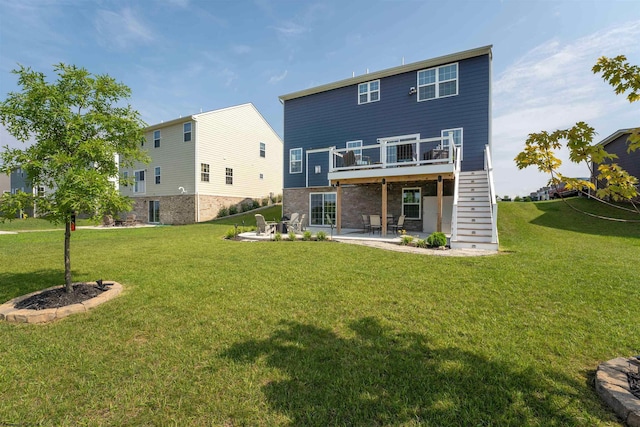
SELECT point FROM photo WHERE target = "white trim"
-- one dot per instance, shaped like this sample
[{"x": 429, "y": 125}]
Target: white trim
[
  {"x": 291, "y": 150},
  {"x": 357, "y": 149},
  {"x": 368, "y": 92},
  {"x": 437, "y": 82},
  {"x": 402, "y": 204},
  {"x": 314, "y": 151},
  {"x": 461, "y": 139},
  {"x": 157, "y": 173},
  {"x": 263, "y": 144},
  {"x": 159, "y": 138},
  {"x": 135, "y": 181},
  {"x": 184, "y": 132},
  {"x": 323, "y": 213}
]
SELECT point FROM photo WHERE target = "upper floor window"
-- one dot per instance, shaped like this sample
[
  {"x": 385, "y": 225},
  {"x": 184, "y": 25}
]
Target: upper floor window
[
  {"x": 438, "y": 82},
  {"x": 204, "y": 172},
  {"x": 355, "y": 147},
  {"x": 125, "y": 178},
  {"x": 369, "y": 92},
  {"x": 157, "y": 174},
  {"x": 295, "y": 160},
  {"x": 263, "y": 149},
  {"x": 139, "y": 184},
  {"x": 228, "y": 174},
  {"x": 156, "y": 138},
  {"x": 186, "y": 129},
  {"x": 456, "y": 136}
]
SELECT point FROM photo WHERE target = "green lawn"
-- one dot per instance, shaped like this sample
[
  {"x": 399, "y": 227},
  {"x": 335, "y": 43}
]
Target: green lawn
[
  {"x": 37, "y": 224},
  {"x": 214, "y": 332}
]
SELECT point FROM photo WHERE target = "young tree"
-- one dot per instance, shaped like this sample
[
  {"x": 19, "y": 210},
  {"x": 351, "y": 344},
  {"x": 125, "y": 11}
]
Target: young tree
[
  {"x": 79, "y": 126},
  {"x": 540, "y": 147}
]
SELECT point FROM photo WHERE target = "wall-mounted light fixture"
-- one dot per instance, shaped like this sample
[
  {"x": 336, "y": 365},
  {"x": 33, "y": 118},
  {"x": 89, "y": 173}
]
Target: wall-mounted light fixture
[{"x": 412, "y": 90}]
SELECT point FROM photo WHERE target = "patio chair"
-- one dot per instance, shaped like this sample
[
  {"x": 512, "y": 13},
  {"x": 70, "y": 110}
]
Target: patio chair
[
  {"x": 295, "y": 225},
  {"x": 349, "y": 158},
  {"x": 366, "y": 225},
  {"x": 303, "y": 219},
  {"x": 399, "y": 225},
  {"x": 375, "y": 224},
  {"x": 267, "y": 227}
]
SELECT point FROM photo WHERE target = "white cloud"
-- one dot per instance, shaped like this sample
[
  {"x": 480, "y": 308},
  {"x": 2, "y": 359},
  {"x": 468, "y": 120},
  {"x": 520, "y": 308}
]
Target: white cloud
[
  {"x": 288, "y": 29},
  {"x": 240, "y": 49},
  {"x": 121, "y": 30},
  {"x": 552, "y": 87},
  {"x": 278, "y": 78}
]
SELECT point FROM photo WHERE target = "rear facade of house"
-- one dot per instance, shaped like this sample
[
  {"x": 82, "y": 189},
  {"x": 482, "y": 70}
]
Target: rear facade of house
[
  {"x": 617, "y": 143},
  {"x": 203, "y": 162},
  {"x": 413, "y": 140}
]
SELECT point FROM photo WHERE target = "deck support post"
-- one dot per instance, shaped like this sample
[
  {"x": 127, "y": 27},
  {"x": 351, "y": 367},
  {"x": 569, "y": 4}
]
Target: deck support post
[
  {"x": 439, "y": 194},
  {"x": 338, "y": 208},
  {"x": 384, "y": 207}
]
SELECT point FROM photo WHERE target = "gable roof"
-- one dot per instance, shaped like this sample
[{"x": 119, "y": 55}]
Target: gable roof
[
  {"x": 615, "y": 136},
  {"x": 415, "y": 66}
]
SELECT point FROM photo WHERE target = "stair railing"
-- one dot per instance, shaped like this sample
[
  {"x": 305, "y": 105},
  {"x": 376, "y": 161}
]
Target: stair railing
[
  {"x": 456, "y": 185},
  {"x": 488, "y": 166}
]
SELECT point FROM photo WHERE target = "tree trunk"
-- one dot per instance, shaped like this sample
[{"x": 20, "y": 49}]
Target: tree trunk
[{"x": 67, "y": 256}]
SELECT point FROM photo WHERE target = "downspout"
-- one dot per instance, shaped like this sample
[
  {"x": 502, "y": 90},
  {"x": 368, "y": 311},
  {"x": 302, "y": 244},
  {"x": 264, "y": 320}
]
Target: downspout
[{"x": 195, "y": 175}]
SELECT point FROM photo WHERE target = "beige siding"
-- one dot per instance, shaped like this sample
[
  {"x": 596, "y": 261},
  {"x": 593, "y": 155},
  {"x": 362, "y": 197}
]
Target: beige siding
[
  {"x": 230, "y": 138},
  {"x": 175, "y": 159}
]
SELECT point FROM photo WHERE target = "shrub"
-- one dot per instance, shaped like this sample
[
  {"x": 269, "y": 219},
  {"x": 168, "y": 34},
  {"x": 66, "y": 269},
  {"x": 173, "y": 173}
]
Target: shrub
[
  {"x": 406, "y": 240},
  {"x": 421, "y": 243},
  {"x": 277, "y": 237},
  {"x": 321, "y": 235},
  {"x": 279, "y": 198},
  {"x": 437, "y": 239},
  {"x": 223, "y": 212},
  {"x": 255, "y": 204},
  {"x": 233, "y": 209},
  {"x": 292, "y": 236},
  {"x": 306, "y": 235},
  {"x": 265, "y": 201}
]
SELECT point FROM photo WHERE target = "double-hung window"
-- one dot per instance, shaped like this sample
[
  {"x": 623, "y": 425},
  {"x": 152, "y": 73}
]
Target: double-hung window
[
  {"x": 156, "y": 138},
  {"x": 228, "y": 175},
  {"x": 157, "y": 174},
  {"x": 204, "y": 172},
  {"x": 263, "y": 149},
  {"x": 411, "y": 199},
  {"x": 125, "y": 178},
  {"x": 186, "y": 130},
  {"x": 295, "y": 160},
  {"x": 438, "y": 82},
  {"x": 369, "y": 92},
  {"x": 455, "y": 135},
  {"x": 139, "y": 184}
]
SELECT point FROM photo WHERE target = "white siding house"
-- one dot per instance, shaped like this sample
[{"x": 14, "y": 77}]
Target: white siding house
[{"x": 205, "y": 161}]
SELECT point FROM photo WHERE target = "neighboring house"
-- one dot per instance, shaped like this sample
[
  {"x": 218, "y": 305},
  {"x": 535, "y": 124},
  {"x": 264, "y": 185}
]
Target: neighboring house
[
  {"x": 203, "y": 162},
  {"x": 413, "y": 140},
  {"x": 20, "y": 182},
  {"x": 617, "y": 144}
]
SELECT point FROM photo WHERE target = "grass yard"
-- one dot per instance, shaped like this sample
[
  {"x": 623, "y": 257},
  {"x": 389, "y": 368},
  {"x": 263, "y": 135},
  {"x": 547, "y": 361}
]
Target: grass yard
[{"x": 214, "y": 332}]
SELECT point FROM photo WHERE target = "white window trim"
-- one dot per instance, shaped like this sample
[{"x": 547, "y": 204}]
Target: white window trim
[
  {"x": 412, "y": 204},
  {"x": 208, "y": 172},
  {"x": 263, "y": 150},
  {"x": 461, "y": 138},
  {"x": 437, "y": 82},
  {"x": 227, "y": 175},
  {"x": 190, "y": 132},
  {"x": 323, "y": 213},
  {"x": 156, "y": 175},
  {"x": 291, "y": 161},
  {"x": 369, "y": 92},
  {"x": 157, "y": 139},
  {"x": 356, "y": 147}
]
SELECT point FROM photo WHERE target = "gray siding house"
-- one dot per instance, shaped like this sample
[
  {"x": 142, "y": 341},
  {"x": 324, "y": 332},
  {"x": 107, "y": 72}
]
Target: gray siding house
[
  {"x": 617, "y": 144},
  {"x": 413, "y": 140}
]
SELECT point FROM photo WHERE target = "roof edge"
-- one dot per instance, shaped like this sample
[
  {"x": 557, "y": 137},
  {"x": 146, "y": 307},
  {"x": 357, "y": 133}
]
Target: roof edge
[
  {"x": 615, "y": 136},
  {"x": 453, "y": 57}
]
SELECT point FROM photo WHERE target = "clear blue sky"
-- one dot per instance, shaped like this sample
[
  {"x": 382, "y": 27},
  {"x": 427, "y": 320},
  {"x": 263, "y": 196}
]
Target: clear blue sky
[{"x": 181, "y": 56}]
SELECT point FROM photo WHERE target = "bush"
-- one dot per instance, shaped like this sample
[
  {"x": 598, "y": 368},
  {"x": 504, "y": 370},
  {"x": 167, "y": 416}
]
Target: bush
[
  {"x": 265, "y": 201},
  {"x": 279, "y": 198},
  {"x": 437, "y": 239},
  {"x": 421, "y": 243},
  {"x": 406, "y": 240},
  {"x": 233, "y": 209},
  {"x": 277, "y": 237},
  {"x": 255, "y": 204},
  {"x": 306, "y": 235},
  {"x": 292, "y": 236},
  {"x": 321, "y": 235},
  {"x": 223, "y": 212}
]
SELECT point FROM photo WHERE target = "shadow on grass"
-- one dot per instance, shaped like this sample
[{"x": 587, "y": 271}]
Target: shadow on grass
[
  {"x": 559, "y": 214},
  {"x": 13, "y": 285},
  {"x": 379, "y": 377}
]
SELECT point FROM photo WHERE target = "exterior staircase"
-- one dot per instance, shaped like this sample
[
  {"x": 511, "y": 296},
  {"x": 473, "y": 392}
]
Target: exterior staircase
[{"x": 475, "y": 214}]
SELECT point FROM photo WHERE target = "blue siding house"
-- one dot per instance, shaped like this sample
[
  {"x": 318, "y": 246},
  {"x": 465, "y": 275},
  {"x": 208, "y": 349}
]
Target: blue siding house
[
  {"x": 411, "y": 141},
  {"x": 617, "y": 143}
]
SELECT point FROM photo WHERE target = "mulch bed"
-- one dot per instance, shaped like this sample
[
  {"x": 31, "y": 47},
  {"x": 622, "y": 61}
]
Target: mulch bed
[{"x": 56, "y": 298}]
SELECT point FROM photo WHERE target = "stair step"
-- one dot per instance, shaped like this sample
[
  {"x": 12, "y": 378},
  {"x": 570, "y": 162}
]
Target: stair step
[
  {"x": 474, "y": 220},
  {"x": 474, "y": 225},
  {"x": 474, "y": 245},
  {"x": 473, "y": 198},
  {"x": 472, "y": 203}
]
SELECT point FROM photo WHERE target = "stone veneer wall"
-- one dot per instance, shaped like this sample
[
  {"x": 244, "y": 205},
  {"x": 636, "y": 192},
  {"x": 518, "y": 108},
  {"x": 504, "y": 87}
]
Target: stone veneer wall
[
  {"x": 362, "y": 199},
  {"x": 181, "y": 209},
  {"x": 210, "y": 205}
]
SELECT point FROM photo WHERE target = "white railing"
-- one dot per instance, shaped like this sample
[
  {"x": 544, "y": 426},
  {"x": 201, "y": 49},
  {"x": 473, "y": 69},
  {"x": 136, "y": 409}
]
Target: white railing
[
  {"x": 456, "y": 185},
  {"x": 388, "y": 154},
  {"x": 488, "y": 165}
]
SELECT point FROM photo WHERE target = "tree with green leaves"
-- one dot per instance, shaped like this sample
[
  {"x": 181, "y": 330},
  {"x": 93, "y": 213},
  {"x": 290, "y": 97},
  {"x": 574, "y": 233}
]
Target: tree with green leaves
[
  {"x": 81, "y": 129},
  {"x": 540, "y": 148}
]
